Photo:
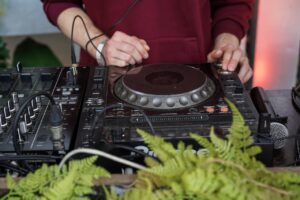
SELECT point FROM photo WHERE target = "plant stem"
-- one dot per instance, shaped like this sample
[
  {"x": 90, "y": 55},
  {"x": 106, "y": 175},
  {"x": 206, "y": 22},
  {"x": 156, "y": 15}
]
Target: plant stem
[{"x": 249, "y": 178}]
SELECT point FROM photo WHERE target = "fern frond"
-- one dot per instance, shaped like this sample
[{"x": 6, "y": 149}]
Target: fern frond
[
  {"x": 164, "y": 194},
  {"x": 63, "y": 189},
  {"x": 171, "y": 168},
  {"x": 163, "y": 149},
  {"x": 239, "y": 131},
  {"x": 205, "y": 143},
  {"x": 49, "y": 182},
  {"x": 222, "y": 147},
  {"x": 82, "y": 164},
  {"x": 110, "y": 193},
  {"x": 11, "y": 184},
  {"x": 82, "y": 190},
  {"x": 181, "y": 146},
  {"x": 253, "y": 151},
  {"x": 151, "y": 162},
  {"x": 141, "y": 192}
]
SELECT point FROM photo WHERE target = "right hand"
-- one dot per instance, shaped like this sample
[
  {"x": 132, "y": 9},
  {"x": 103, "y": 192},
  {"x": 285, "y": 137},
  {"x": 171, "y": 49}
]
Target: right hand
[{"x": 122, "y": 50}]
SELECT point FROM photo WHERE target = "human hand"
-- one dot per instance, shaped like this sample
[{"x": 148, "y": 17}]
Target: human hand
[
  {"x": 232, "y": 56},
  {"x": 122, "y": 50}
]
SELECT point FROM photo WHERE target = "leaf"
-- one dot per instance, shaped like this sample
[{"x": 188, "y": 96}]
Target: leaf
[
  {"x": 10, "y": 182},
  {"x": 205, "y": 143},
  {"x": 163, "y": 149},
  {"x": 151, "y": 162}
]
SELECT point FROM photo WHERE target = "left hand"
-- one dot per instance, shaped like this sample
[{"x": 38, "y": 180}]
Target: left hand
[{"x": 228, "y": 49}]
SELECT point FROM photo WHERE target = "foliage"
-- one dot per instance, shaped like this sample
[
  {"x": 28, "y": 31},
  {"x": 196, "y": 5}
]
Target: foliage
[
  {"x": 2, "y": 7},
  {"x": 4, "y": 54},
  {"x": 48, "y": 182},
  {"x": 228, "y": 170},
  {"x": 34, "y": 54}
]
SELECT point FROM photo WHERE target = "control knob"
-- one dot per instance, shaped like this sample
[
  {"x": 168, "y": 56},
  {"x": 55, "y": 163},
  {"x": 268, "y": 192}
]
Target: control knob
[
  {"x": 27, "y": 120},
  {"x": 30, "y": 112},
  {"x": 15, "y": 100},
  {"x": 11, "y": 106},
  {"x": 34, "y": 105},
  {"x": 23, "y": 128},
  {"x": 7, "y": 114},
  {"x": 3, "y": 121},
  {"x": 38, "y": 102}
]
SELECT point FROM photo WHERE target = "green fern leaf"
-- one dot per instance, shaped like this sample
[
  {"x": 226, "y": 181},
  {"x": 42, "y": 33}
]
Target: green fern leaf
[
  {"x": 164, "y": 194},
  {"x": 171, "y": 168},
  {"x": 11, "y": 184},
  {"x": 253, "y": 151},
  {"x": 84, "y": 180},
  {"x": 151, "y": 162},
  {"x": 110, "y": 193},
  {"x": 63, "y": 189},
  {"x": 163, "y": 149},
  {"x": 205, "y": 143},
  {"x": 82, "y": 190},
  {"x": 176, "y": 188},
  {"x": 181, "y": 146}
]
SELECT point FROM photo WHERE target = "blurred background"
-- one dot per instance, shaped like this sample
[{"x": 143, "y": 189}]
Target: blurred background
[{"x": 273, "y": 40}]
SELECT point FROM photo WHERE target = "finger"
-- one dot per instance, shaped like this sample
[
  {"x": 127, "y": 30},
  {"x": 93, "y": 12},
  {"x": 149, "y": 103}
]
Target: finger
[
  {"x": 245, "y": 68},
  {"x": 226, "y": 56},
  {"x": 139, "y": 45},
  {"x": 131, "y": 50},
  {"x": 145, "y": 44},
  {"x": 110, "y": 51},
  {"x": 133, "y": 41},
  {"x": 214, "y": 55},
  {"x": 123, "y": 56},
  {"x": 115, "y": 47},
  {"x": 248, "y": 76},
  {"x": 234, "y": 61},
  {"x": 118, "y": 62}
]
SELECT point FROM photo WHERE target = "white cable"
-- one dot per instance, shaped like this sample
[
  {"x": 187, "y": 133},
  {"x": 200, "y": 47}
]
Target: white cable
[{"x": 99, "y": 153}]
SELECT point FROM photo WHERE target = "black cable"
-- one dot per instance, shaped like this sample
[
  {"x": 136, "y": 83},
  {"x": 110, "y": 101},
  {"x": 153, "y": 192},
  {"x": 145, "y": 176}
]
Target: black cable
[
  {"x": 121, "y": 105},
  {"x": 118, "y": 146},
  {"x": 296, "y": 97},
  {"x": 15, "y": 168},
  {"x": 28, "y": 157},
  {"x": 73, "y": 57},
  {"x": 18, "y": 115},
  {"x": 119, "y": 21}
]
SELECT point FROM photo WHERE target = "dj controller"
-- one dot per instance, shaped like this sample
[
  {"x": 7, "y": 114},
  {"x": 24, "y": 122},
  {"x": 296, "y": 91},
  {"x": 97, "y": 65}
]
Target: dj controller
[
  {"x": 104, "y": 106},
  {"x": 34, "y": 135}
]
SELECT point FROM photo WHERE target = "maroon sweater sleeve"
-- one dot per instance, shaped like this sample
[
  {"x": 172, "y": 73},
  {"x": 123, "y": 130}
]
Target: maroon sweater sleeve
[
  {"x": 53, "y": 8},
  {"x": 231, "y": 16}
]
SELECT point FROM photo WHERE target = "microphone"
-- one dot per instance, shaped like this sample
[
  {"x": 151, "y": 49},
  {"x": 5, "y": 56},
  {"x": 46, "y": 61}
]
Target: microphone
[
  {"x": 267, "y": 114},
  {"x": 278, "y": 133},
  {"x": 269, "y": 121}
]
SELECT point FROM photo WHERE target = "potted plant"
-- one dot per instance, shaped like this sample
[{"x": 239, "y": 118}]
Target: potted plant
[
  {"x": 4, "y": 54},
  {"x": 227, "y": 169}
]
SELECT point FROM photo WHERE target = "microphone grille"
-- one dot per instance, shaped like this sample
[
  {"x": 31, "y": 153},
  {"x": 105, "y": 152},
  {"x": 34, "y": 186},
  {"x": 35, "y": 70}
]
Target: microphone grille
[{"x": 278, "y": 130}]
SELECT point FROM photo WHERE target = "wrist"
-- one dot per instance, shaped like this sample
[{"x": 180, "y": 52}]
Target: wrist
[
  {"x": 91, "y": 45},
  {"x": 99, "y": 53}
]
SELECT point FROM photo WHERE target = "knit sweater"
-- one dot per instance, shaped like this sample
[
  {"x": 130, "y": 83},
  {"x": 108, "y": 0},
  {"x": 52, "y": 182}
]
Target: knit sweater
[{"x": 177, "y": 31}]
